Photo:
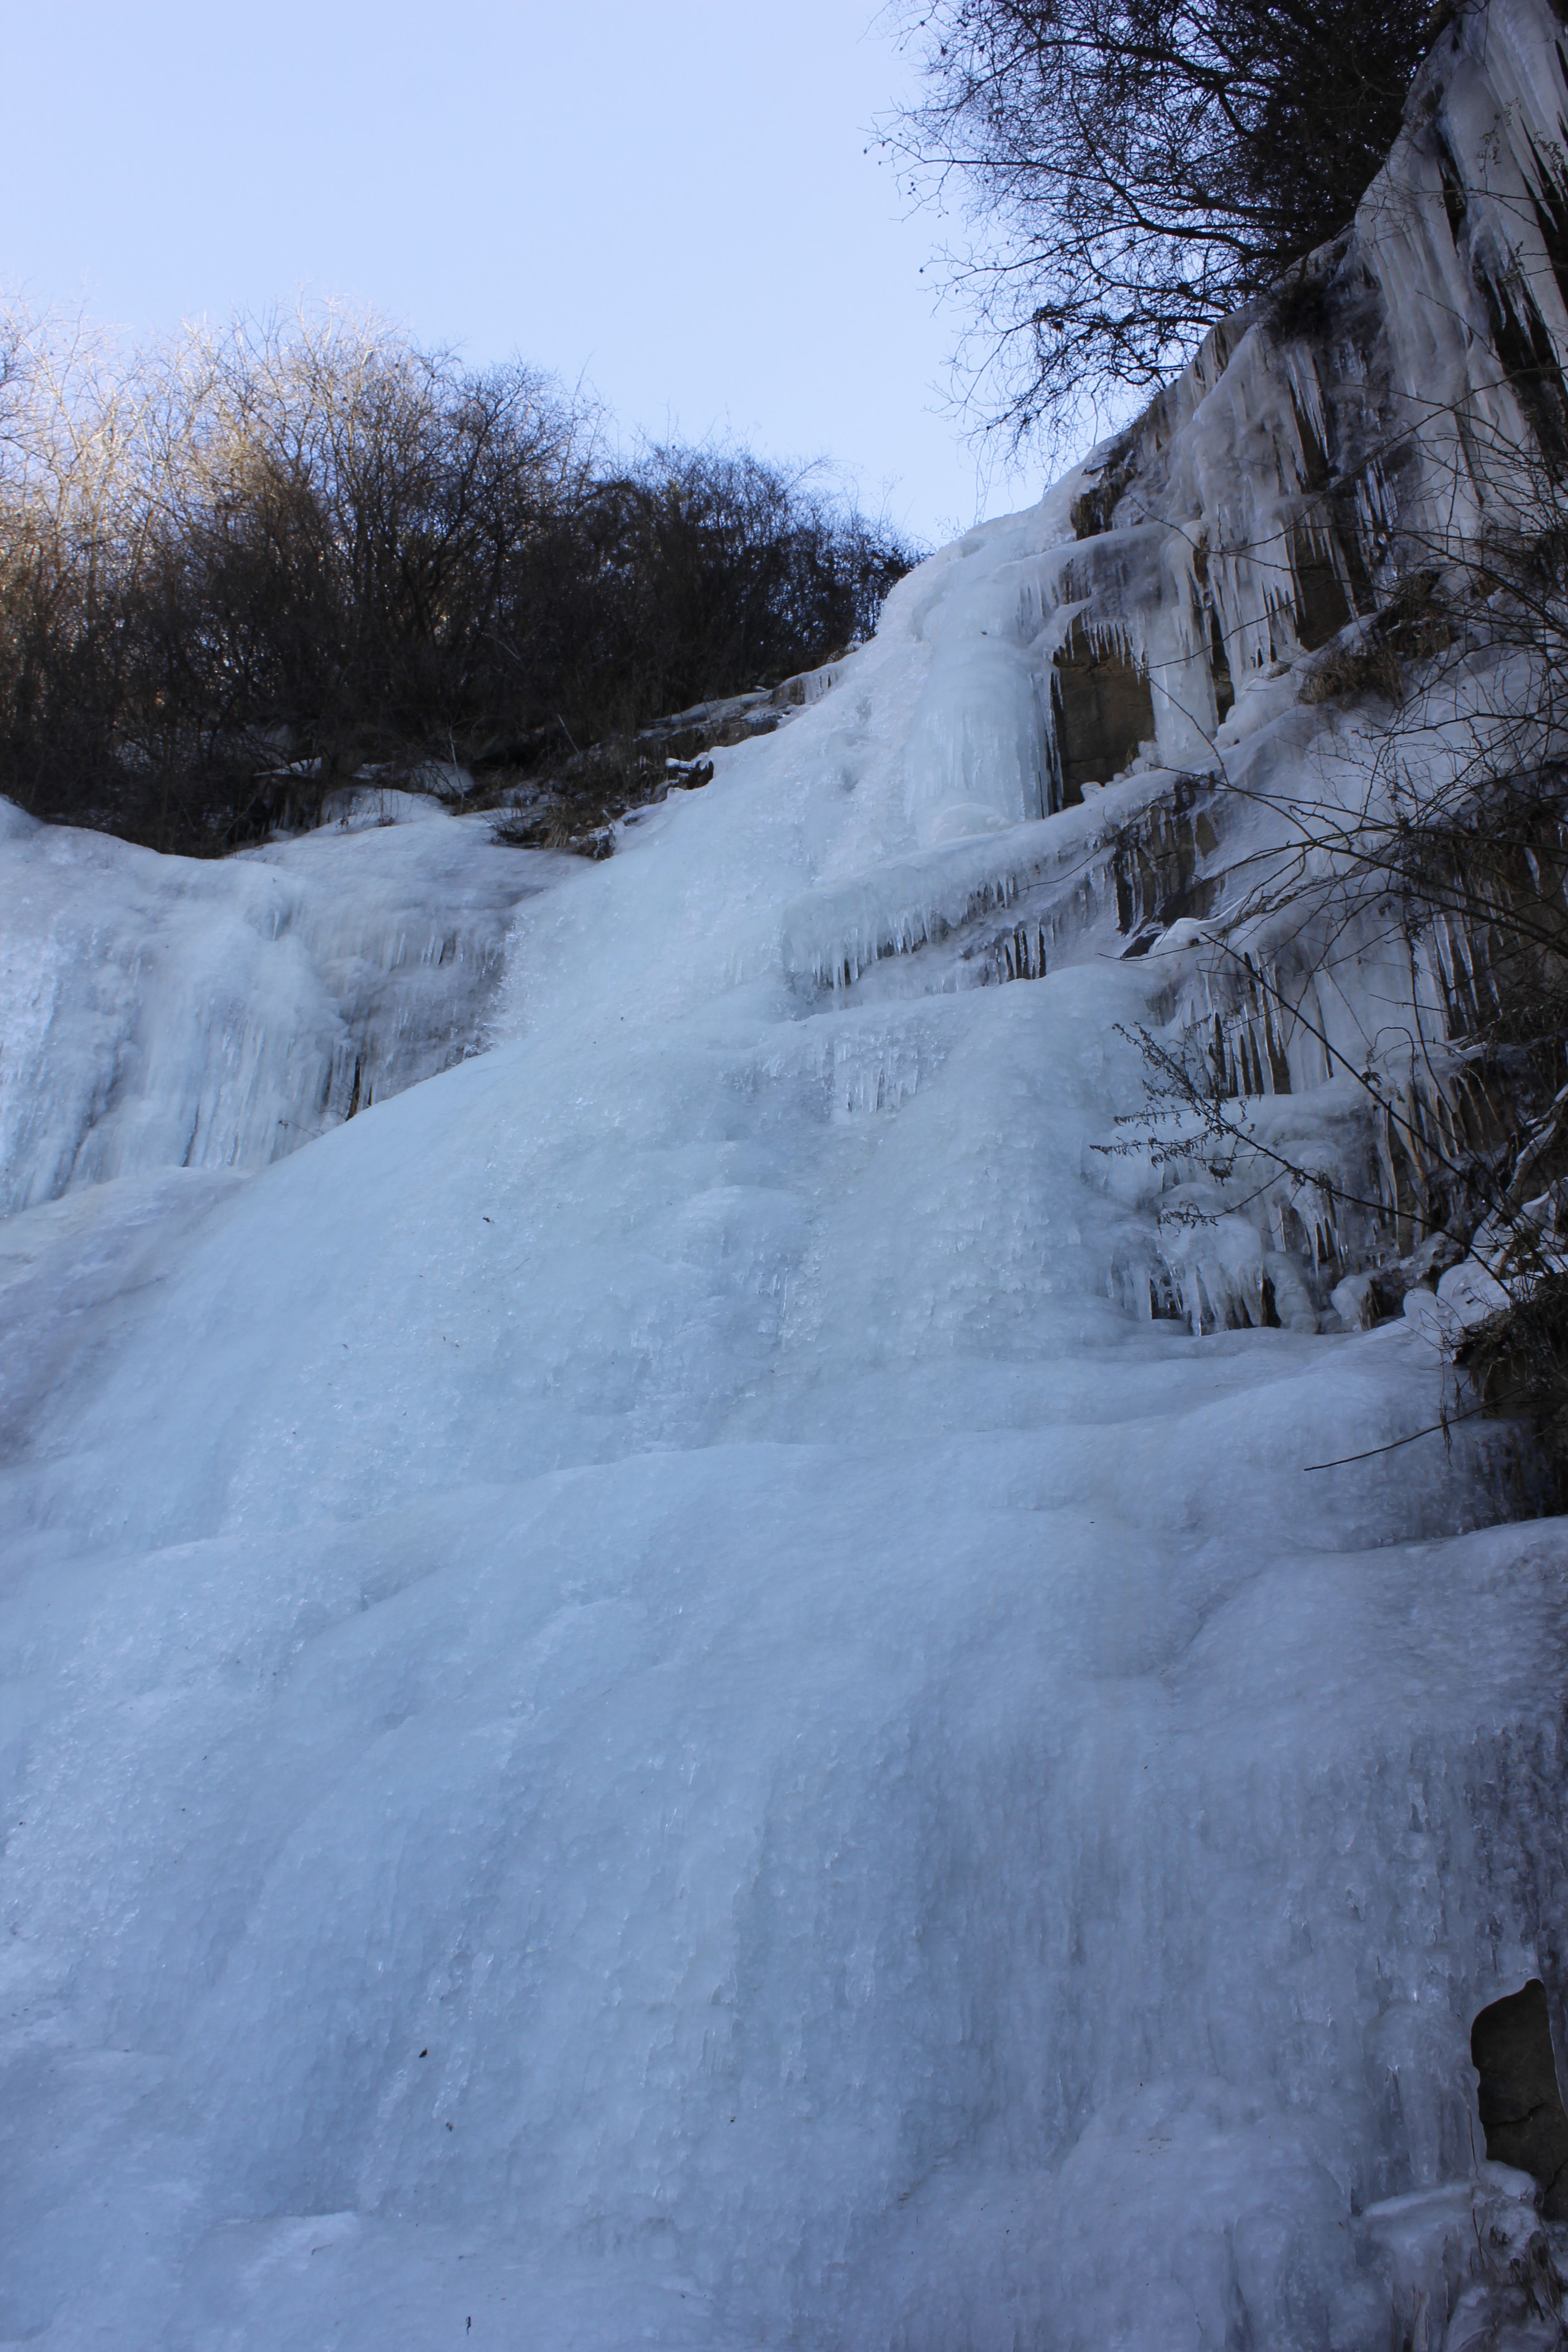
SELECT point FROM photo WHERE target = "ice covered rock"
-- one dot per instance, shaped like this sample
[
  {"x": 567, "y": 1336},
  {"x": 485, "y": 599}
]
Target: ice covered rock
[
  {"x": 1358, "y": 1302},
  {"x": 1470, "y": 1295},
  {"x": 1427, "y": 1264},
  {"x": 1469, "y": 2268}
]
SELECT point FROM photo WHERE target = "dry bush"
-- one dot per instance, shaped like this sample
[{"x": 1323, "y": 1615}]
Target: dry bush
[{"x": 238, "y": 568}]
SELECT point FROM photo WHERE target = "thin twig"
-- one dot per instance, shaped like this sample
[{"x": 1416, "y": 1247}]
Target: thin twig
[{"x": 1395, "y": 1443}]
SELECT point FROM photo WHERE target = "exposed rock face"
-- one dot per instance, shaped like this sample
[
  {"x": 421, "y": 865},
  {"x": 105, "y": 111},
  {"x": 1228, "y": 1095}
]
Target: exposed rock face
[
  {"x": 1104, "y": 714},
  {"x": 578, "y": 807},
  {"x": 1521, "y": 2106}
]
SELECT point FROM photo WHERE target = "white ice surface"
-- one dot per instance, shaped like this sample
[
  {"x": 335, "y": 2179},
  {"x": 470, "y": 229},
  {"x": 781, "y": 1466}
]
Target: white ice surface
[
  {"x": 634, "y": 1707},
  {"x": 166, "y": 1011},
  {"x": 633, "y": 1710}
]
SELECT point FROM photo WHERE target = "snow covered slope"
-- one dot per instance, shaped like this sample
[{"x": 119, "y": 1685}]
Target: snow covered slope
[{"x": 644, "y": 1702}]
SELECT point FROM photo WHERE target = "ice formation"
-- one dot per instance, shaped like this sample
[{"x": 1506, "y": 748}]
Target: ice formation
[
  {"x": 168, "y": 1012},
  {"x": 699, "y": 1685}
]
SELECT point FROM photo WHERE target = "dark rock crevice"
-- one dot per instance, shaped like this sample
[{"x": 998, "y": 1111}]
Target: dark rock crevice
[{"x": 1521, "y": 2103}]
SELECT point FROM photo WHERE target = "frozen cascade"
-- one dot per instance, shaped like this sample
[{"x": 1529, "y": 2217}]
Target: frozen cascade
[
  {"x": 167, "y": 1012},
  {"x": 645, "y": 1699}
]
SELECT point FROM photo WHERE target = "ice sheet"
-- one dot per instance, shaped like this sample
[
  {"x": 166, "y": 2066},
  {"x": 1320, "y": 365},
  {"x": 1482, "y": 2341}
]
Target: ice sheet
[{"x": 641, "y": 1700}]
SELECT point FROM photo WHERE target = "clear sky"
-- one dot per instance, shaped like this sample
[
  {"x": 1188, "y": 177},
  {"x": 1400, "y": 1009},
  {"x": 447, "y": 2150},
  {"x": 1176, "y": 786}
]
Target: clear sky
[{"x": 673, "y": 202}]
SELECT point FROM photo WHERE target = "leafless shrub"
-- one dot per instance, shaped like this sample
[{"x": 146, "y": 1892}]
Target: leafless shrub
[{"x": 236, "y": 569}]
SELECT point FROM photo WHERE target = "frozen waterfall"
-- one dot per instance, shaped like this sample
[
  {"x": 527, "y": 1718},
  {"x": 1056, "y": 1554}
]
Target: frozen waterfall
[{"x": 692, "y": 1683}]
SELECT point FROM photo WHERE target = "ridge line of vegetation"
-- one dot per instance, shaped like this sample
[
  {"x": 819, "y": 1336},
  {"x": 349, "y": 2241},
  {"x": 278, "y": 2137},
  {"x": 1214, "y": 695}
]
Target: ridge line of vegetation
[{"x": 239, "y": 567}]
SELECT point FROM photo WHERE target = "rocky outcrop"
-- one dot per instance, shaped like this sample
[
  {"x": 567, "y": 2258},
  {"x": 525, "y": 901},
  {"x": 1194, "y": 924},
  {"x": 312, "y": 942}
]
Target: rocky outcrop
[
  {"x": 579, "y": 803},
  {"x": 1520, "y": 2105}
]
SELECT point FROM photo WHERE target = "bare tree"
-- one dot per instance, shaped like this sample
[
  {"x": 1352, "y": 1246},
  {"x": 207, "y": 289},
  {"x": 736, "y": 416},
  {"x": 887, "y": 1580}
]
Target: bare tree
[{"x": 1133, "y": 170}]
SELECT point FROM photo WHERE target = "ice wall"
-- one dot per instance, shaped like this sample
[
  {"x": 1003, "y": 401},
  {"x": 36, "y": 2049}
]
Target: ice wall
[
  {"x": 171, "y": 1012},
  {"x": 1322, "y": 444},
  {"x": 678, "y": 1691}
]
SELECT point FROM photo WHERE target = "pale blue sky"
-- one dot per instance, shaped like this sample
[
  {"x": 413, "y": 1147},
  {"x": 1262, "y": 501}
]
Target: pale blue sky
[{"x": 673, "y": 202}]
